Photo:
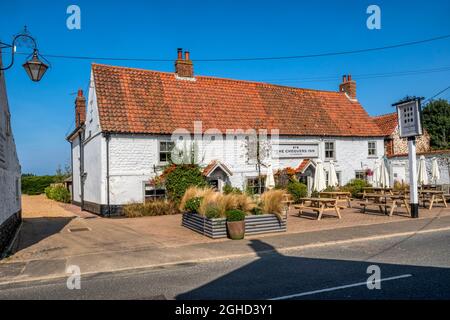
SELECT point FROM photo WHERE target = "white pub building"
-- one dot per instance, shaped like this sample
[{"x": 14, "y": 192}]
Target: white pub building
[{"x": 125, "y": 133}]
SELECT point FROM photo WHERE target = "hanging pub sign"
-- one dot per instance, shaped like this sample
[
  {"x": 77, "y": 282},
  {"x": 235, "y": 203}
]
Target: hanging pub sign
[
  {"x": 297, "y": 150},
  {"x": 409, "y": 118}
]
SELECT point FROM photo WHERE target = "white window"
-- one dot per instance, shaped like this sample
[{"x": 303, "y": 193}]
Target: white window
[
  {"x": 165, "y": 150},
  {"x": 153, "y": 193},
  {"x": 360, "y": 175},
  {"x": 330, "y": 153},
  {"x": 372, "y": 150}
]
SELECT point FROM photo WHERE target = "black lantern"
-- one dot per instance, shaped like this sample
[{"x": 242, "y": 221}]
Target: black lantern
[{"x": 35, "y": 68}]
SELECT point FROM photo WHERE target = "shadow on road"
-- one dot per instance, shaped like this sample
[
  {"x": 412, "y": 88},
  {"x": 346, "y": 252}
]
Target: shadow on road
[
  {"x": 35, "y": 230},
  {"x": 275, "y": 275}
]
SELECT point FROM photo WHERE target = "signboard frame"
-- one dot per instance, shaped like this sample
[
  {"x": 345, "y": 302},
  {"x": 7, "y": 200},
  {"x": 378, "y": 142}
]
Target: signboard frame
[
  {"x": 409, "y": 118},
  {"x": 298, "y": 144}
]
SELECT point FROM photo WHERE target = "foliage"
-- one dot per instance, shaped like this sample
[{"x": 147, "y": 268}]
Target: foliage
[
  {"x": 436, "y": 119},
  {"x": 235, "y": 215},
  {"x": 297, "y": 190},
  {"x": 400, "y": 186},
  {"x": 33, "y": 185},
  {"x": 151, "y": 208},
  {"x": 356, "y": 186},
  {"x": 283, "y": 177},
  {"x": 193, "y": 204},
  {"x": 212, "y": 211},
  {"x": 256, "y": 211},
  {"x": 58, "y": 193},
  {"x": 178, "y": 178},
  {"x": 227, "y": 189},
  {"x": 271, "y": 202}
]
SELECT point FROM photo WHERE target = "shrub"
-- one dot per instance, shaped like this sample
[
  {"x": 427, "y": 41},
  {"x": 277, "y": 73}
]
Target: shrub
[
  {"x": 58, "y": 193},
  {"x": 151, "y": 208},
  {"x": 235, "y": 215},
  {"x": 297, "y": 190},
  {"x": 272, "y": 202},
  {"x": 34, "y": 185},
  {"x": 256, "y": 211},
  {"x": 227, "y": 189},
  {"x": 180, "y": 177},
  {"x": 195, "y": 192},
  {"x": 212, "y": 212},
  {"x": 193, "y": 204},
  {"x": 356, "y": 186}
]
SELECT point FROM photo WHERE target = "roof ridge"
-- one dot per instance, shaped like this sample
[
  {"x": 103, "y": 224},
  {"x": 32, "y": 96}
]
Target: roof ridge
[{"x": 220, "y": 78}]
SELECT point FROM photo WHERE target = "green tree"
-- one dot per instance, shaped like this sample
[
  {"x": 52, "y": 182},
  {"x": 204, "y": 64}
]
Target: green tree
[{"x": 436, "y": 119}]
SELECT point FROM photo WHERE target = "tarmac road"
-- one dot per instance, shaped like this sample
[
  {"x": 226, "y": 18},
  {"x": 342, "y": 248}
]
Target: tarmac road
[{"x": 415, "y": 267}]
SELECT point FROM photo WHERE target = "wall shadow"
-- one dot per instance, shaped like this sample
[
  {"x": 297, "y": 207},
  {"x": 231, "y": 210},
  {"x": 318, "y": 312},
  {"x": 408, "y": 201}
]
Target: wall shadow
[
  {"x": 275, "y": 275},
  {"x": 35, "y": 230}
]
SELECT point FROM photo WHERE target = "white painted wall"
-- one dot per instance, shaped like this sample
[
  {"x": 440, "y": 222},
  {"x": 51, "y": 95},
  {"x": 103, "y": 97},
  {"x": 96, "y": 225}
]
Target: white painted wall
[
  {"x": 76, "y": 179},
  {"x": 93, "y": 168},
  {"x": 10, "y": 171},
  {"x": 132, "y": 158}
]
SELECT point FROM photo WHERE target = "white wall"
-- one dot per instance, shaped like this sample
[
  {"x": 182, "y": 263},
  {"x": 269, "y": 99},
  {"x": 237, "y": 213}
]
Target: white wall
[
  {"x": 76, "y": 179},
  {"x": 93, "y": 168},
  {"x": 132, "y": 158},
  {"x": 10, "y": 202}
]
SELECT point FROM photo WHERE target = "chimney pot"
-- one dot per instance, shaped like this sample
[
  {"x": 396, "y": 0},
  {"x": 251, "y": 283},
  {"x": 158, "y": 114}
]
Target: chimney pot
[
  {"x": 184, "y": 68},
  {"x": 348, "y": 86},
  {"x": 180, "y": 53},
  {"x": 349, "y": 77}
]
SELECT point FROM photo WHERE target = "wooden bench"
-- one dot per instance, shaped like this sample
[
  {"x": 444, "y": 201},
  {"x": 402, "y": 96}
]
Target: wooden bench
[{"x": 318, "y": 205}]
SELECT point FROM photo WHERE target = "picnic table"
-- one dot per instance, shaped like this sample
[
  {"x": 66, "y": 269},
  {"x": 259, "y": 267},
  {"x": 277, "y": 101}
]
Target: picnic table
[
  {"x": 433, "y": 196},
  {"x": 319, "y": 205},
  {"x": 384, "y": 201},
  {"x": 340, "y": 196},
  {"x": 377, "y": 190}
]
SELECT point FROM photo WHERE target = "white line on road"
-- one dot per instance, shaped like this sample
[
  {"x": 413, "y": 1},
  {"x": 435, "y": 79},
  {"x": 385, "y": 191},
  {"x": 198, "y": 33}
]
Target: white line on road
[{"x": 339, "y": 288}]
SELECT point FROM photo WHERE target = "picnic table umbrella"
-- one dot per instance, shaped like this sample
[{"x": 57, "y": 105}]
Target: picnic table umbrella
[
  {"x": 332, "y": 176},
  {"x": 270, "y": 179},
  {"x": 377, "y": 174},
  {"x": 319, "y": 177},
  {"x": 384, "y": 175},
  {"x": 435, "y": 174},
  {"x": 422, "y": 176}
]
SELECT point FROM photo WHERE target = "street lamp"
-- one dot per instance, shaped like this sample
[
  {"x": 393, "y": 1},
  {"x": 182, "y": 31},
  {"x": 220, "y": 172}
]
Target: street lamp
[{"x": 35, "y": 68}]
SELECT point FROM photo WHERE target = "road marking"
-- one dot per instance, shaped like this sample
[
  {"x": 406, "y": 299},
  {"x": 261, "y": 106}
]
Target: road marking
[{"x": 339, "y": 288}]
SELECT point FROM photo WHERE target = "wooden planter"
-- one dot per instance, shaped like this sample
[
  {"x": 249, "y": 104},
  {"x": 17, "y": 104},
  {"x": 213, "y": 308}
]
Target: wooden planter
[{"x": 217, "y": 228}]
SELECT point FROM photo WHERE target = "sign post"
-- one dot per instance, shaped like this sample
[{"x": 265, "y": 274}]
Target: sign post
[{"x": 410, "y": 126}]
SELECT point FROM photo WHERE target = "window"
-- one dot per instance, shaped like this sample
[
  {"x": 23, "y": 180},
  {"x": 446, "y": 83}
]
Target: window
[
  {"x": 8, "y": 124},
  {"x": 329, "y": 150},
  {"x": 360, "y": 175},
  {"x": 254, "y": 187},
  {"x": 152, "y": 193},
  {"x": 165, "y": 149},
  {"x": 372, "y": 148}
]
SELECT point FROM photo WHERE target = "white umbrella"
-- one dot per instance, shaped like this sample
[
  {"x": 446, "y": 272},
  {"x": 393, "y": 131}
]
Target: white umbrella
[
  {"x": 376, "y": 174},
  {"x": 422, "y": 176},
  {"x": 435, "y": 174},
  {"x": 319, "y": 178},
  {"x": 384, "y": 175},
  {"x": 270, "y": 180},
  {"x": 332, "y": 176}
]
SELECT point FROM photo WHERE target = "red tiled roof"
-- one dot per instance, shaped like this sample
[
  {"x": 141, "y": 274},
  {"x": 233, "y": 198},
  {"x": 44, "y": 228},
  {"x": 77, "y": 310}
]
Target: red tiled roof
[
  {"x": 387, "y": 123},
  {"x": 142, "y": 101},
  {"x": 303, "y": 165},
  {"x": 214, "y": 164}
]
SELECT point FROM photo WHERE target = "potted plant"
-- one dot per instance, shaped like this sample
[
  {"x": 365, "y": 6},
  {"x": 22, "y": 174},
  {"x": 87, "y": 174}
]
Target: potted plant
[{"x": 236, "y": 224}]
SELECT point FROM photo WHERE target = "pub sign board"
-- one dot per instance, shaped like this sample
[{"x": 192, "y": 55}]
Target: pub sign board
[
  {"x": 297, "y": 150},
  {"x": 409, "y": 118}
]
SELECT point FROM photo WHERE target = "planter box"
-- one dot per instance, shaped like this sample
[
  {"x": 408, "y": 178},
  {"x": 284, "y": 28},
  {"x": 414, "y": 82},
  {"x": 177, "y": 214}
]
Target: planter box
[{"x": 217, "y": 228}]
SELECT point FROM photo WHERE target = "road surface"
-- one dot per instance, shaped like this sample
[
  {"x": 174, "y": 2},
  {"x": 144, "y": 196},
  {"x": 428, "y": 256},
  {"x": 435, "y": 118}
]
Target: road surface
[{"x": 416, "y": 267}]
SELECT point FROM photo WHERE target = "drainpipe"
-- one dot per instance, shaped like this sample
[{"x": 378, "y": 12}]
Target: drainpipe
[
  {"x": 82, "y": 175},
  {"x": 107, "y": 137}
]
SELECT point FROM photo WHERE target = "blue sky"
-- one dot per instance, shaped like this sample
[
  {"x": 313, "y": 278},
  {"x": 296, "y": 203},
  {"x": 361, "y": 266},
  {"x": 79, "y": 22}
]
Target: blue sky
[{"x": 43, "y": 113}]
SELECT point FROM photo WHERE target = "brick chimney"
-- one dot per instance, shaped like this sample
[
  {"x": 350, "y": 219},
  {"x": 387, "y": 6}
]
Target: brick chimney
[
  {"x": 80, "y": 109},
  {"x": 184, "y": 67},
  {"x": 348, "y": 86}
]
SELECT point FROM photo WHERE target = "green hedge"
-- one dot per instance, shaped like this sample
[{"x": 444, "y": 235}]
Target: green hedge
[
  {"x": 297, "y": 190},
  {"x": 180, "y": 178},
  {"x": 33, "y": 185},
  {"x": 58, "y": 193}
]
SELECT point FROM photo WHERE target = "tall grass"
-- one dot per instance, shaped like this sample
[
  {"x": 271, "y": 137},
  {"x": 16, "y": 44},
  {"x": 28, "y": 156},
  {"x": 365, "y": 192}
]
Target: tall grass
[{"x": 271, "y": 202}]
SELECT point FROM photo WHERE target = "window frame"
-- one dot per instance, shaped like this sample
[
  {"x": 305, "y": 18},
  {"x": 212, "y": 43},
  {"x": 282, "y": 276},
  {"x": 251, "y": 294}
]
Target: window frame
[
  {"x": 167, "y": 153},
  {"x": 360, "y": 172},
  {"x": 328, "y": 150},
  {"x": 155, "y": 196},
  {"x": 255, "y": 184},
  {"x": 374, "y": 149}
]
